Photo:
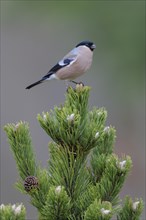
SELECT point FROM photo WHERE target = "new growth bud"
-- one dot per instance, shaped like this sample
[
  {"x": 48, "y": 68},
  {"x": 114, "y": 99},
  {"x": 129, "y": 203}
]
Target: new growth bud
[
  {"x": 106, "y": 129},
  {"x": 71, "y": 117},
  {"x": 105, "y": 211},
  {"x": 2, "y": 206},
  {"x": 135, "y": 205},
  {"x": 121, "y": 164},
  {"x": 17, "y": 209},
  {"x": 97, "y": 135},
  {"x": 58, "y": 190},
  {"x": 44, "y": 116}
]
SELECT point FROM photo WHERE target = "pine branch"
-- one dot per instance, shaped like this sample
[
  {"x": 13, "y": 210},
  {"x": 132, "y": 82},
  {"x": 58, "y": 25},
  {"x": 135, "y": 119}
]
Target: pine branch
[
  {"x": 57, "y": 206},
  {"x": 131, "y": 210},
  {"x": 39, "y": 196},
  {"x": 70, "y": 125},
  {"x": 68, "y": 170},
  {"x": 113, "y": 178},
  {"x": 12, "y": 212},
  {"x": 84, "y": 177},
  {"x": 21, "y": 146},
  {"x": 99, "y": 210}
]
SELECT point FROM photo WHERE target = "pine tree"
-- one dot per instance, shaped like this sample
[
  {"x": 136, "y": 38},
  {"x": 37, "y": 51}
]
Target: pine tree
[{"x": 84, "y": 177}]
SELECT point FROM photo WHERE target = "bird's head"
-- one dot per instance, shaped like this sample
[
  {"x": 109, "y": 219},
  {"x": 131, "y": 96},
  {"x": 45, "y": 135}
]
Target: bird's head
[{"x": 88, "y": 44}]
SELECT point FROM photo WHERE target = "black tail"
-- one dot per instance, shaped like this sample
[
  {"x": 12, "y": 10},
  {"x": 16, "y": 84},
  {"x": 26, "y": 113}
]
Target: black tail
[{"x": 34, "y": 84}]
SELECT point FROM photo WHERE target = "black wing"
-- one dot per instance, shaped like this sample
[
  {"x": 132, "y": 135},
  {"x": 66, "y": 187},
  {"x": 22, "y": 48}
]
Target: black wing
[
  {"x": 57, "y": 67},
  {"x": 54, "y": 69}
]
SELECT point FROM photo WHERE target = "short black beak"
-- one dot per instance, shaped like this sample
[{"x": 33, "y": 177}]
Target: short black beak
[{"x": 93, "y": 46}]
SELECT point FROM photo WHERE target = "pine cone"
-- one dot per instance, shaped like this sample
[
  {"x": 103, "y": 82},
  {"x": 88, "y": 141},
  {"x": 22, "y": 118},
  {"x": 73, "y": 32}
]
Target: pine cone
[{"x": 30, "y": 183}]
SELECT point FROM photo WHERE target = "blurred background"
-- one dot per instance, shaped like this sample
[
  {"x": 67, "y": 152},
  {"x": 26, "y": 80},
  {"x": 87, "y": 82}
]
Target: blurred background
[{"x": 34, "y": 36}]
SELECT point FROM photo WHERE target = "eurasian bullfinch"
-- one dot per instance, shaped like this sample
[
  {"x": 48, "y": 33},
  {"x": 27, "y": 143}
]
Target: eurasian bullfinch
[{"x": 73, "y": 65}]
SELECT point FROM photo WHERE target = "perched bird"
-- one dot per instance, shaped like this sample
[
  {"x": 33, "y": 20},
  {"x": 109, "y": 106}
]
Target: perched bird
[{"x": 73, "y": 65}]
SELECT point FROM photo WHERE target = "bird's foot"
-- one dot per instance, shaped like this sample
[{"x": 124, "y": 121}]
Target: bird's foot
[{"x": 77, "y": 83}]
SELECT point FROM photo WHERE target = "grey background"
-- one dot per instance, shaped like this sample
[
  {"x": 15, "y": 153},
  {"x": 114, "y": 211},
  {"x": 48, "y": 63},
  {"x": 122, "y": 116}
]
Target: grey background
[{"x": 34, "y": 36}]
